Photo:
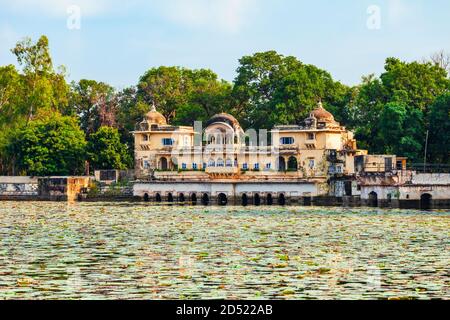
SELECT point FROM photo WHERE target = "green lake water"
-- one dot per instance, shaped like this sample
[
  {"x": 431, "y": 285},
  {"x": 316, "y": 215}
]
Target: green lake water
[{"x": 129, "y": 251}]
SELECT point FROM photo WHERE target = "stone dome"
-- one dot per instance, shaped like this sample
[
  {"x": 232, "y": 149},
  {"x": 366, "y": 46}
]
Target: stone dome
[
  {"x": 154, "y": 117},
  {"x": 322, "y": 115},
  {"x": 224, "y": 118}
]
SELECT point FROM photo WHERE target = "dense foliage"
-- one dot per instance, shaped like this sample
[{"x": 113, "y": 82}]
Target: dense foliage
[
  {"x": 45, "y": 122},
  {"x": 105, "y": 151},
  {"x": 49, "y": 145}
]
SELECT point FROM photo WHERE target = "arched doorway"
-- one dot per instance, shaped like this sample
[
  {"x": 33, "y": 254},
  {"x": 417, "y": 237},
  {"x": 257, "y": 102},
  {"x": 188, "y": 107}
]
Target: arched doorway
[
  {"x": 426, "y": 201},
  {"x": 158, "y": 198},
  {"x": 257, "y": 200},
  {"x": 163, "y": 164},
  {"x": 170, "y": 197},
  {"x": 205, "y": 199},
  {"x": 373, "y": 199},
  {"x": 181, "y": 198},
  {"x": 244, "y": 200},
  {"x": 194, "y": 199},
  {"x": 292, "y": 164},
  {"x": 282, "y": 199},
  {"x": 222, "y": 199},
  {"x": 307, "y": 201},
  {"x": 146, "y": 197},
  {"x": 281, "y": 164},
  {"x": 269, "y": 200}
]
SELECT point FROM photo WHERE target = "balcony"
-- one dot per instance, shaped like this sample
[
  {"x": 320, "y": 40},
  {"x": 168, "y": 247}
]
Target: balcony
[{"x": 222, "y": 170}]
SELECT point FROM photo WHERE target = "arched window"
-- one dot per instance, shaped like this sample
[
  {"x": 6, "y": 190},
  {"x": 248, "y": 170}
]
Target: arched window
[
  {"x": 211, "y": 163},
  {"x": 281, "y": 164},
  {"x": 220, "y": 163},
  {"x": 163, "y": 164},
  {"x": 229, "y": 163},
  {"x": 292, "y": 164}
]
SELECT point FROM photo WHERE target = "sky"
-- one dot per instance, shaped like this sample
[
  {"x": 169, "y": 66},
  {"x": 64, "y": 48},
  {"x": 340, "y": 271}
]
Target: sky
[{"x": 116, "y": 41}]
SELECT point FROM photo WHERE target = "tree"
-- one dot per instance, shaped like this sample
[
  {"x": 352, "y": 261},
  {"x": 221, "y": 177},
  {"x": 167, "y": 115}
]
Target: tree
[
  {"x": 208, "y": 96},
  {"x": 10, "y": 116},
  {"x": 439, "y": 126},
  {"x": 95, "y": 103},
  {"x": 174, "y": 89},
  {"x": 105, "y": 151},
  {"x": 298, "y": 93},
  {"x": 43, "y": 87},
  {"x": 401, "y": 131},
  {"x": 166, "y": 87},
  {"x": 273, "y": 89},
  {"x": 391, "y": 126},
  {"x": 51, "y": 144},
  {"x": 414, "y": 84},
  {"x": 441, "y": 59},
  {"x": 130, "y": 111}
]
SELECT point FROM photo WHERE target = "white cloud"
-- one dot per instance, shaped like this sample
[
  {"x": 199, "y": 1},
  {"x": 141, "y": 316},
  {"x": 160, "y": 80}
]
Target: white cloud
[
  {"x": 225, "y": 15},
  {"x": 400, "y": 10},
  {"x": 56, "y": 7}
]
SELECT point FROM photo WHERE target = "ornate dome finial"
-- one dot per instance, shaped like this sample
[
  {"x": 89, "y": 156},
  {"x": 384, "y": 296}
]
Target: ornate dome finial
[
  {"x": 155, "y": 117},
  {"x": 153, "y": 109},
  {"x": 320, "y": 104},
  {"x": 321, "y": 114}
]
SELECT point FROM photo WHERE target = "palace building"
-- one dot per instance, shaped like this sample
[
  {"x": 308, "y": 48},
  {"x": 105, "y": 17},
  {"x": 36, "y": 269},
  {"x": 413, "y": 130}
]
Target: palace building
[{"x": 296, "y": 161}]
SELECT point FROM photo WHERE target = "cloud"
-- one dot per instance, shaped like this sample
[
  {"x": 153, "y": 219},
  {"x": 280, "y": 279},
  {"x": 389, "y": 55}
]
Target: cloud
[
  {"x": 56, "y": 7},
  {"x": 225, "y": 15},
  {"x": 400, "y": 10}
]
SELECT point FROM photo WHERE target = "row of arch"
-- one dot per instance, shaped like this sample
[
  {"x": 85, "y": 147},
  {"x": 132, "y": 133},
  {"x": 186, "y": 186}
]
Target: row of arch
[{"x": 222, "y": 199}]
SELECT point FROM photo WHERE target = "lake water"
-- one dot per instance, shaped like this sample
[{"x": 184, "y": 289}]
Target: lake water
[{"x": 129, "y": 251}]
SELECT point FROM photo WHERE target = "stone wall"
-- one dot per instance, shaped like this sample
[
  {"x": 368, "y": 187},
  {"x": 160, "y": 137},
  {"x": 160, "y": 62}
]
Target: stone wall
[
  {"x": 229, "y": 192},
  {"x": 42, "y": 188},
  {"x": 12, "y": 188}
]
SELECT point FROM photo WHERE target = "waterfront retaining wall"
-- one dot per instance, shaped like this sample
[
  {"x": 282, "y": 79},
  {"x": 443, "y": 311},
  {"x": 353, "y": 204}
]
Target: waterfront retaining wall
[
  {"x": 13, "y": 188},
  {"x": 227, "y": 192}
]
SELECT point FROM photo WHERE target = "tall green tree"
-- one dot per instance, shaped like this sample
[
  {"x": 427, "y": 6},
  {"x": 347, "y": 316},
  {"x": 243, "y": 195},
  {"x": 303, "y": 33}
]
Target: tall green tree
[
  {"x": 50, "y": 144},
  {"x": 95, "y": 103},
  {"x": 167, "y": 87},
  {"x": 176, "y": 90},
  {"x": 401, "y": 131},
  {"x": 414, "y": 84},
  {"x": 105, "y": 151},
  {"x": 44, "y": 88},
  {"x": 130, "y": 111},
  {"x": 11, "y": 92},
  {"x": 273, "y": 89},
  {"x": 439, "y": 126}
]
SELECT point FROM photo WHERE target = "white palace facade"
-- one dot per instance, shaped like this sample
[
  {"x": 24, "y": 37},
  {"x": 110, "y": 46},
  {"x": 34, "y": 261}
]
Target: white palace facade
[{"x": 221, "y": 163}]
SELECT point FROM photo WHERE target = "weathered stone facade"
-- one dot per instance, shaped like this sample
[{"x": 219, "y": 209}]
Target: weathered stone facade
[
  {"x": 405, "y": 189},
  {"x": 42, "y": 188},
  {"x": 12, "y": 188}
]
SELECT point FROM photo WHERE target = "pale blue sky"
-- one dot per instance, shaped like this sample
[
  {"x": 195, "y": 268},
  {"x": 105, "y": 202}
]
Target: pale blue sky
[{"x": 119, "y": 40}]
